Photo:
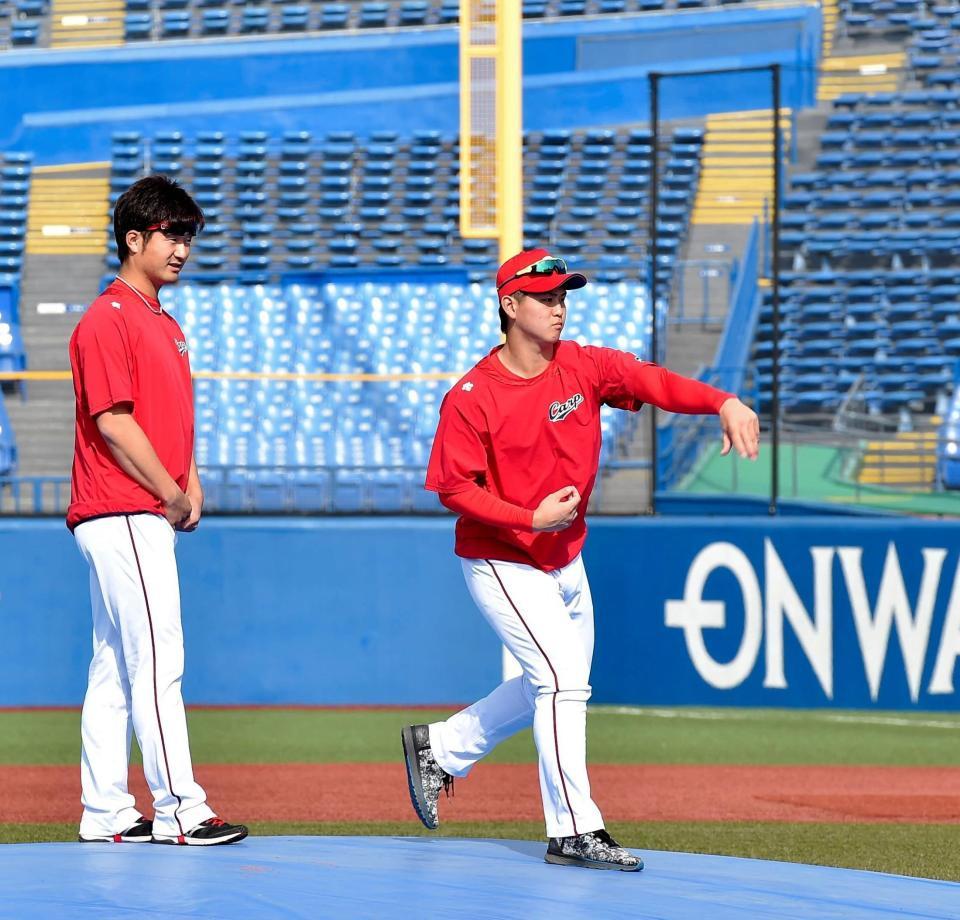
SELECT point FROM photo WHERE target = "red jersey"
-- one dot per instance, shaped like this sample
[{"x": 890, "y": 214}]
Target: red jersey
[
  {"x": 122, "y": 351},
  {"x": 523, "y": 439}
]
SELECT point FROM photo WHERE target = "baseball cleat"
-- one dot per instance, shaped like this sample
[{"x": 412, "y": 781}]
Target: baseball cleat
[
  {"x": 424, "y": 775},
  {"x": 141, "y": 832},
  {"x": 596, "y": 850},
  {"x": 210, "y": 833}
]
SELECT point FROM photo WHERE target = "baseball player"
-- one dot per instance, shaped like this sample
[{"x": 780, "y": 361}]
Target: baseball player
[
  {"x": 516, "y": 455},
  {"x": 134, "y": 485}
]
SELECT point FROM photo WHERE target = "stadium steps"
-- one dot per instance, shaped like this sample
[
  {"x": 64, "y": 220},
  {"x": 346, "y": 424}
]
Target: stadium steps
[
  {"x": 829, "y": 10},
  {"x": 736, "y": 177},
  {"x": 909, "y": 459},
  {"x": 68, "y": 214},
  {"x": 688, "y": 348},
  {"x": 43, "y": 423},
  {"x": 862, "y": 73},
  {"x": 85, "y": 23}
]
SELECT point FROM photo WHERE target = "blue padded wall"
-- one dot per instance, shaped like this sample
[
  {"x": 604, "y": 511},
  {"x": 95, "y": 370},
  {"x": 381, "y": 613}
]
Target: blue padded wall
[{"x": 695, "y": 610}]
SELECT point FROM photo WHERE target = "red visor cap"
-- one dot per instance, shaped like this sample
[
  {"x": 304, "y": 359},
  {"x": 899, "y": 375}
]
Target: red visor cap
[{"x": 507, "y": 284}]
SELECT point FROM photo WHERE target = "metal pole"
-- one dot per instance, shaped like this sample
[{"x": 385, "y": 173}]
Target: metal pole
[
  {"x": 775, "y": 292},
  {"x": 654, "y": 79}
]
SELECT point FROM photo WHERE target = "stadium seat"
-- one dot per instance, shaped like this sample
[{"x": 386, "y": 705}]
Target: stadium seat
[
  {"x": 334, "y": 16},
  {"x": 374, "y": 15},
  {"x": 138, "y": 26},
  {"x": 175, "y": 24},
  {"x": 294, "y": 18}
]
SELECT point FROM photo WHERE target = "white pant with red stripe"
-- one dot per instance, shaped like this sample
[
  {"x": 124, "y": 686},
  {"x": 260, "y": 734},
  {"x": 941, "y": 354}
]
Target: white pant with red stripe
[
  {"x": 546, "y": 620},
  {"x": 134, "y": 679}
]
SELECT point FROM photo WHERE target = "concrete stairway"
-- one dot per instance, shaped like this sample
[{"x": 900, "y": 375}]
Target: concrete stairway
[
  {"x": 43, "y": 422},
  {"x": 85, "y": 23},
  {"x": 69, "y": 211},
  {"x": 62, "y": 272},
  {"x": 736, "y": 181},
  {"x": 860, "y": 73}
]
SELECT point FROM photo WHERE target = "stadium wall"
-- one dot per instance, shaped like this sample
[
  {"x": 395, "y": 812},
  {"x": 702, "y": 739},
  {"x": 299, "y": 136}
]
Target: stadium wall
[
  {"x": 63, "y": 105},
  {"x": 805, "y": 612}
]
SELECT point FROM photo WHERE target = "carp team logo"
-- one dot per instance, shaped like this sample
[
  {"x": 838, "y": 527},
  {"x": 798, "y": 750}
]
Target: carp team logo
[
  {"x": 560, "y": 410},
  {"x": 181, "y": 346}
]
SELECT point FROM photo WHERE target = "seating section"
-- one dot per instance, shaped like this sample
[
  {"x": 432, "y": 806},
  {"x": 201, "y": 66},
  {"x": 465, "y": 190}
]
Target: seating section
[
  {"x": 297, "y": 203},
  {"x": 870, "y": 19},
  {"x": 871, "y": 239},
  {"x": 352, "y": 445},
  {"x": 23, "y": 23},
  {"x": 15, "y": 170},
  {"x": 934, "y": 47},
  {"x": 172, "y": 19},
  {"x": 896, "y": 332}
]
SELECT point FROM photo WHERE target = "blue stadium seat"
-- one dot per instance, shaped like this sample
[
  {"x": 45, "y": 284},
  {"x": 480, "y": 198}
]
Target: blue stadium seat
[
  {"x": 175, "y": 24},
  {"x": 334, "y": 16},
  {"x": 254, "y": 19},
  {"x": 137, "y": 26},
  {"x": 374, "y": 15},
  {"x": 215, "y": 22},
  {"x": 294, "y": 18},
  {"x": 414, "y": 12}
]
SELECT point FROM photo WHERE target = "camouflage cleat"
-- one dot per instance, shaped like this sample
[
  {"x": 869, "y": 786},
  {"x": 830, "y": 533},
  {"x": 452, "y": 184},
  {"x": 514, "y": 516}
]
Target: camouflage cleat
[
  {"x": 596, "y": 850},
  {"x": 424, "y": 775}
]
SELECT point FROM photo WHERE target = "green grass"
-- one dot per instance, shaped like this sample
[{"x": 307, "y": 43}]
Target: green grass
[
  {"x": 809, "y": 472},
  {"x": 694, "y": 736},
  {"x": 628, "y": 735},
  {"x": 927, "y": 851}
]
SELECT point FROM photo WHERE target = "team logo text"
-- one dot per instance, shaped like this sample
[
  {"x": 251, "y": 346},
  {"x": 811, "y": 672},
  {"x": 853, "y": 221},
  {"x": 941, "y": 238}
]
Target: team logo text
[{"x": 560, "y": 410}]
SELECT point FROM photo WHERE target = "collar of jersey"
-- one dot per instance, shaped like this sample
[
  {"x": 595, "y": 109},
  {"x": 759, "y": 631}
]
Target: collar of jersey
[{"x": 493, "y": 366}]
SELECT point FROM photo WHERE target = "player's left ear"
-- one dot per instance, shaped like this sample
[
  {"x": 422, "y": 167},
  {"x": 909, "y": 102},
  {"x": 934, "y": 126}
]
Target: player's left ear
[{"x": 509, "y": 306}]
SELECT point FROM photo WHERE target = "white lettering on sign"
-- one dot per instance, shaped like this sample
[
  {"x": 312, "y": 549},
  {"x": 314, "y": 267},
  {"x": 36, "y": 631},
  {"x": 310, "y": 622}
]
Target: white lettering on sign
[
  {"x": 693, "y": 614},
  {"x": 942, "y": 679},
  {"x": 765, "y": 613},
  {"x": 892, "y": 607},
  {"x": 815, "y": 634}
]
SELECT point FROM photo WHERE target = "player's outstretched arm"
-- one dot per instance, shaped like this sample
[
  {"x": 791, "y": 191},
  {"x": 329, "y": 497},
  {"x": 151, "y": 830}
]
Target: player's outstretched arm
[{"x": 741, "y": 429}]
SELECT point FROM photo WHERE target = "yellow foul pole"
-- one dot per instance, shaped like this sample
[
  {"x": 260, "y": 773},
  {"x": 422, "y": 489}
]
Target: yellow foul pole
[
  {"x": 491, "y": 122},
  {"x": 510, "y": 127}
]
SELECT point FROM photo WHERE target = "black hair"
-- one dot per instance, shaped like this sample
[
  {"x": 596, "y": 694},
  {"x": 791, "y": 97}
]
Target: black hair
[{"x": 154, "y": 200}]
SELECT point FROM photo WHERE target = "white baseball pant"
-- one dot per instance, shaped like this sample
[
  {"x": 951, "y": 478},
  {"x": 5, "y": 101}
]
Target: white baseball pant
[
  {"x": 546, "y": 620},
  {"x": 134, "y": 678}
]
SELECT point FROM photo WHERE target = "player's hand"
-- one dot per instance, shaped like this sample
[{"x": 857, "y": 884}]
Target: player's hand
[
  {"x": 177, "y": 509},
  {"x": 557, "y": 511},
  {"x": 741, "y": 429},
  {"x": 196, "y": 509}
]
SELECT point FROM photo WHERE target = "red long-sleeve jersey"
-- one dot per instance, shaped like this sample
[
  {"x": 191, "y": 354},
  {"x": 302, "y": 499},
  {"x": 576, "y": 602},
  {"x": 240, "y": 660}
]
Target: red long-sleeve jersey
[{"x": 506, "y": 442}]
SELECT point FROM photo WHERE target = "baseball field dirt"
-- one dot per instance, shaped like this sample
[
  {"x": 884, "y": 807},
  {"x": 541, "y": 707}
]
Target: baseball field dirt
[
  {"x": 510, "y": 792},
  {"x": 878, "y": 791}
]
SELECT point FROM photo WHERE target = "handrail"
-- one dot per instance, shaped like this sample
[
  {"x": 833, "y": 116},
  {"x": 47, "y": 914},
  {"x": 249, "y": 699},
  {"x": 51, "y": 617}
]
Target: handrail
[{"x": 682, "y": 438}]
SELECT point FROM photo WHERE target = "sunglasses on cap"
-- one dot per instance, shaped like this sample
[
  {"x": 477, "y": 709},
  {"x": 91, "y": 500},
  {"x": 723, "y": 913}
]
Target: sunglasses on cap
[{"x": 548, "y": 266}]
